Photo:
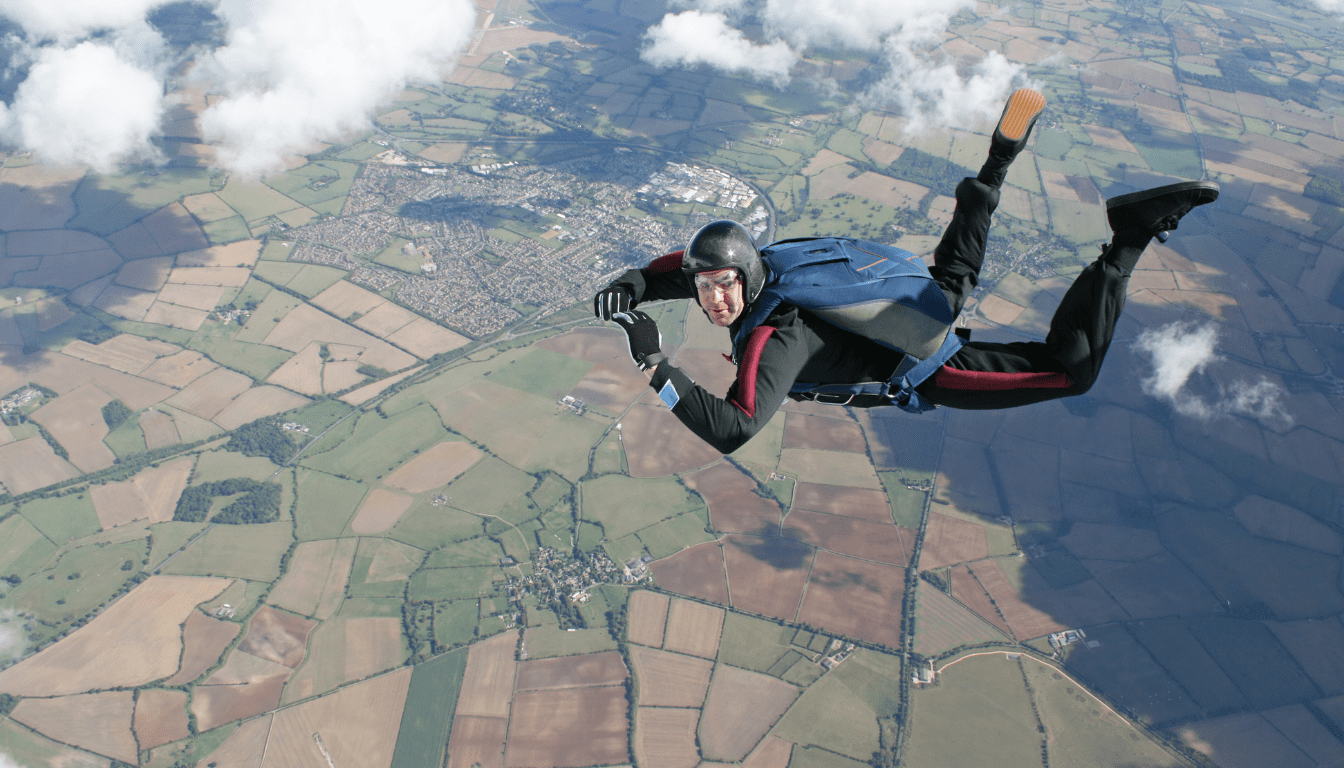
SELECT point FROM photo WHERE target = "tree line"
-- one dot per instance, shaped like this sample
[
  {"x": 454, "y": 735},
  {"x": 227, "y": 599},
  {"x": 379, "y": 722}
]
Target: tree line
[{"x": 260, "y": 502}]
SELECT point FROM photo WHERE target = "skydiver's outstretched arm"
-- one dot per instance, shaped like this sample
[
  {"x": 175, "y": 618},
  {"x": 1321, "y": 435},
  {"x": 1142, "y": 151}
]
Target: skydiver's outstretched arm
[{"x": 662, "y": 280}]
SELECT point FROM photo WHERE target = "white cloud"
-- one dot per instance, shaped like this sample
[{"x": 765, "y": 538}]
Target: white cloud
[
  {"x": 65, "y": 19},
  {"x": 12, "y": 643},
  {"x": 920, "y": 81},
  {"x": 8, "y": 762},
  {"x": 1331, "y": 6},
  {"x": 1179, "y": 351},
  {"x": 690, "y": 38},
  {"x": 89, "y": 103},
  {"x": 296, "y": 71}
]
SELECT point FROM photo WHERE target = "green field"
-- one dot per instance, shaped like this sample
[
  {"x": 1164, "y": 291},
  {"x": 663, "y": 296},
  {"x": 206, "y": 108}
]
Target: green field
[
  {"x": 550, "y": 641},
  {"x": 107, "y": 203},
  {"x": 479, "y": 551},
  {"x": 216, "y": 341},
  {"x": 544, "y": 373},
  {"x": 453, "y": 583},
  {"x": 563, "y": 448},
  {"x": 455, "y": 622},
  {"x": 840, "y": 711},
  {"x": 752, "y": 643},
  {"x": 314, "y": 279},
  {"x": 623, "y": 505},
  {"x": 63, "y": 518},
  {"x": 424, "y": 525},
  {"x": 1260, "y": 667},
  {"x": 987, "y": 691},
  {"x": 492, "y": 487},
  {"x": 671, "y": 536},
  {"x": 262, "y": 321},
  {"x": 1128, "y": 675},
  {"x": 427, "y": 717},
  {"x": 379, "y": 445},
  {"x": 1083, "y": 732},
  {"x": 126, "y": 439},
  {"x": 320, "y": 415},
  {"x": 254, "y": 200},
  {"x": 222, "y": 465},
  {"x": 23, "y": 548},
  {"x": 381, "y": 568},
  {"x": 79, "y": 581},
  {"x": 326, "y": 504},
  {"x": 247, "y": 551},
  {"x": 169, "y": 537},
  {"x": 316, "y": 182}
]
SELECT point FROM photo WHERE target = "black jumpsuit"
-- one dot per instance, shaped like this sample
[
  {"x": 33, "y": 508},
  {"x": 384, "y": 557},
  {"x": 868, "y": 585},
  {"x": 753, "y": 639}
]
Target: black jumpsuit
[{"x": 794, "y": 345}]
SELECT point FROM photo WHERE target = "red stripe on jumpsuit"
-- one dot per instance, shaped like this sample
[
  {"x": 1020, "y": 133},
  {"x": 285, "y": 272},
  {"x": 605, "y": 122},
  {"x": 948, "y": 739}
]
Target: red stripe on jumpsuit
[
  {"x": 668, "y": 263},
  {"x": 993, "y": 381},
  {"x": 743, "y": 394}
]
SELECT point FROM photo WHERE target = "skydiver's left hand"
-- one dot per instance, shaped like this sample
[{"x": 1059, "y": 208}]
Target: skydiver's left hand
[{"x": 646, "y": 341}]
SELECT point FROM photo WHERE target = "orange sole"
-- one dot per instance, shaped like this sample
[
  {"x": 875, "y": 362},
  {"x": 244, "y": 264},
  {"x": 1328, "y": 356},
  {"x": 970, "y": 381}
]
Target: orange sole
[{"x": 1023, "y": 106}]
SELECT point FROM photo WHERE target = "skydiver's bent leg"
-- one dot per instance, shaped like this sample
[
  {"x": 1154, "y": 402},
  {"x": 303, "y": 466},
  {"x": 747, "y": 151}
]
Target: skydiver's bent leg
[
  {"x": 961, "y": 252},
  {"x": 986, "y": 375},
  {"x": 983, "y": 375}
]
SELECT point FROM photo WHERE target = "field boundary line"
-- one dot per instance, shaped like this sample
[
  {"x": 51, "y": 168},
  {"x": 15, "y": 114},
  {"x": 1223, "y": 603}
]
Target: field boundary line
[
  {"x": 1042, "y": 662},
  {"x": 798, "y": 612}
]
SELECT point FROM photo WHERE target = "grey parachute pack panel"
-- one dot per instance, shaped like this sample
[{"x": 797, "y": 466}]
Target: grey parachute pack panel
[{"x": 876, "y": 291}]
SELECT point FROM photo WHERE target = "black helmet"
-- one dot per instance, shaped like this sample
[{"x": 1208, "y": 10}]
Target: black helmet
[{"x": 724, "y": 245}]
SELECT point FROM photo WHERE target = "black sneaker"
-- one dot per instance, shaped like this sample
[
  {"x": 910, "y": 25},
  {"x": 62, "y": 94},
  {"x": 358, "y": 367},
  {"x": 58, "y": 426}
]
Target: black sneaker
[
  {"x": 1158, "y": 211},
  {"x": 1019, "y": 115}
]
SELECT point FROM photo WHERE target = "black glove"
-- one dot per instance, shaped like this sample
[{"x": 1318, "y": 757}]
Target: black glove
[
  {"x": 611, "y": 300},
  {"x": 646, "y": 341}
]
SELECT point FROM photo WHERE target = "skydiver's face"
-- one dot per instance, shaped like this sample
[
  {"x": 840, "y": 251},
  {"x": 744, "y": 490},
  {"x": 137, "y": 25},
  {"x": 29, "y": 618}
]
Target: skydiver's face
[{"x": 720, "y": 294}]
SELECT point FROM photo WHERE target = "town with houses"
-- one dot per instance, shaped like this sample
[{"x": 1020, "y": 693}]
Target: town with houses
[{"x": 500, "y": 241}]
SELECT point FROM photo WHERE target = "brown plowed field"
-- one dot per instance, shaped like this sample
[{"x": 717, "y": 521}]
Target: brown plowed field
[
  {"x": 234, "y": 277},
  {"x": 477, "y": 742},
  {"x": 301, "y": 373},
  {"x": 256, "y": 403},
  {"x": 709, "y": 369},
  {"x": 569, "y": 727},
  {"x": 63, "y": 374},
  {"x": 180, "y": 369},
  {"x": 30, "y": 464},
  {"x": 670, "y": 679},
  {"x": 76, "y": 421},
  {"x": 98, "y": 722},
  {"x": 371, "y": 646},
  {"x": 126, "y": 303},
  {"x": 883, "y": 542},
  {"x": 125, "y": 353},
  {"x": 863, "y": 503},
  {"x": 696, "y": 571},
  {"x": 243, "y": 668},
  {"x": 172, "y": 315},
  {"x": 384, "y": 319},
  {"x": 244, "y": 747},
  {"x": 338, "y": 375},
  {"x": 585, "y": 671},
  {"x": 949, "y": 540},
  {"x": 648, "y": 617},
  {"x": 160, "y": 430},
  {"x": 151, "y": 494},
  {"x": 609, "y": 387},
  {"x": 276, "y": 636},
  {"x": 487, "y": 686},
  {"x": 741, "y": 707},
  {"x": 665, "y": 738},
  {"x": 656, "y": 443},
  {"x": 854, "y": 598},
  {"x": 693, "y": 628},
  {"x": 774, "y": 752},
  {"x": 160, "y": 717},
  {"x": 436, "y": 467},
  {"x": 766, "y": 575},
  {"x": 596, "y": 345},
  {"x": 198, "y": 297},
  {"x": 968, "y": 592},
  {"x": 203, "y": 639},
  {"x": 343, "y": 299},
  {"x": 357, "y": 726},
  {"x": 380, "y": 510},
  {"x": 311, "y": 573},
  {"x": 357, "y": 396},
  {"x": 1027, "y": 621},
  {"x": 824, "y": 434},
  {"x": 243, "y": 253},
  {"x": 425, "y": 338},
  {"x": 208, "y": 395},
  {"x": 305, "y": 324},
  {"x": 214, "y": 705},
  {"x": 92, "y": 658},
  {"x": 733, "y": 504}
]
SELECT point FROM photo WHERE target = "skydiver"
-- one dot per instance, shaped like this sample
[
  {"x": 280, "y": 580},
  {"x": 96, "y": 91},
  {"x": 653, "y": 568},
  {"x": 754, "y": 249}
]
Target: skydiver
[{"x": 723, "y": 270}]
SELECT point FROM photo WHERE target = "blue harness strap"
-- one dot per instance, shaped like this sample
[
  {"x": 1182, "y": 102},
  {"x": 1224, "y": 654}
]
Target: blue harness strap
[{"x": 899, "y": 390}]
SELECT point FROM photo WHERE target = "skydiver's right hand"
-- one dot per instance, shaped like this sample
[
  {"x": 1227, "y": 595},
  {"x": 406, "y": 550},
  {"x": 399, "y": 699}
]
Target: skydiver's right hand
[{"x": 612, "y": 300}]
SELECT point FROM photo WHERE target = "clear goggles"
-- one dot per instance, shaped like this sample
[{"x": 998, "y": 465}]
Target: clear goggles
[{"x": 709, "y": 282}]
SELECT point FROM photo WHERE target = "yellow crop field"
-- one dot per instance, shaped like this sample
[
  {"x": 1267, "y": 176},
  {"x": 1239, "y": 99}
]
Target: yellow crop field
[
  {"x": 98, "y": 722},
  {"x": 151, "y": 494},
  {"x": 435, "y": 467},
  {"x": 381, "y": 510},
  {"x": 693, "y": 628},
  {"x": 90, "y": 658},
  {"x": 487, "y": 687},
  {"x": 315, "y": 582},
  {"x": 355, "y": 726}
]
